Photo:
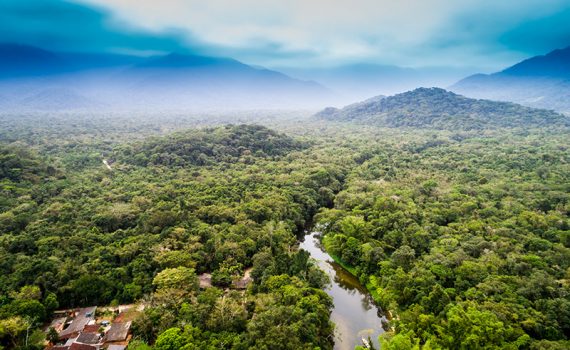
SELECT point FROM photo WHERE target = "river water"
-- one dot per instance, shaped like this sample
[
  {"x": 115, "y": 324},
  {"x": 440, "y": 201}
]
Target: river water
[{"x": 354, "y": 313}]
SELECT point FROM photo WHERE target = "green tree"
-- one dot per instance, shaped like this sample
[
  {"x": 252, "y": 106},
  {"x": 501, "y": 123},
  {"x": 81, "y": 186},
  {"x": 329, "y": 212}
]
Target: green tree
[
  {"x": 171, "y": 339},
  {"x": 52, "y": 336},
  {"x": 50, "y": 302},
  {"x": 182, "y": 278}
]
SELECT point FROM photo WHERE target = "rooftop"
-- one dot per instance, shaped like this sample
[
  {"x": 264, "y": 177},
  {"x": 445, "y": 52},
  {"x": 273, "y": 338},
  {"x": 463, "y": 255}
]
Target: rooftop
[
  {"x": 79, "y": 322},
  {"x": 88, "y": 338},
  {"x": 118, "y": 332},
  {"x": 91, "y": 328}
]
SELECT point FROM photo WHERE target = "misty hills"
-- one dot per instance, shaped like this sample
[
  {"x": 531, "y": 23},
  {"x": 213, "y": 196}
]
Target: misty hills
[
  {"x": 18, "y": 60},
  {"x": 437, "y": 108},
  {"x": 540, "y": 81},
  {"x": 360, "y": 80},
  {"x": 36, "y": 79}
]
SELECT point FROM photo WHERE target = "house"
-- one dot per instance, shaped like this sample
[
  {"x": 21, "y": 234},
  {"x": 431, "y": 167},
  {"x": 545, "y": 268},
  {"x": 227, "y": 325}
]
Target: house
[
  {"x": 118, "y": 332},
  {"x": 82, "y": 318}
]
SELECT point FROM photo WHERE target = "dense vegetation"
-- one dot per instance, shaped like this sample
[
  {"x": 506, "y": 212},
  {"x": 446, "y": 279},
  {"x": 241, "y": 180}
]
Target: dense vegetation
[
  {"x": 99, "y": 236},
  {"x": 440, "y": 109},
  {"x": 463, "y": 235},
  {"x": 209, "y": 146},
  {"x": 467, "y": 241}
]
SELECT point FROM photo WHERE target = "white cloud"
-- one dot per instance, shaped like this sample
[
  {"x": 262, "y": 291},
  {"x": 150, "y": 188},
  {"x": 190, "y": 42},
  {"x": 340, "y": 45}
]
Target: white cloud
[{"x": 404, "y": 32}]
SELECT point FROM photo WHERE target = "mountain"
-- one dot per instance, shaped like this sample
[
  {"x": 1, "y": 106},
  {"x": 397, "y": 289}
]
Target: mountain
[
  {"x": 36, "y": 79},
  {"x": 556, "y": 64},
  {"x": 358, "y": 81},
  {"x": 541, "y": 81},
  {"x": 440, "y": 109},
  {"x": 175, "y": 60},
  {"x": 21, "y": 60}
]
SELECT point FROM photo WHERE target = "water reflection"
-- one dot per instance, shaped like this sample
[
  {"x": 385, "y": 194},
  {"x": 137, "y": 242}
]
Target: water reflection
[{"x": 354, "y": 313}]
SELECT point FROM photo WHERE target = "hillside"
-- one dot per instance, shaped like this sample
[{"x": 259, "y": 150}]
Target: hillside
[
  {"x": 540, "y": 81},
  {"x": 210, "y": 146},
  {"x": 440, "y": 109}
]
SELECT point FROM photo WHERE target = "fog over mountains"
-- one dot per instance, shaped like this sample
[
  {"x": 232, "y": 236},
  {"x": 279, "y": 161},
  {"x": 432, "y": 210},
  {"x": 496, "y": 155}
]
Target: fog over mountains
[
  {"x": 355, "y": 82},
  {"x": 35, "y": 79},
  {"x": 540, "y": 81}
]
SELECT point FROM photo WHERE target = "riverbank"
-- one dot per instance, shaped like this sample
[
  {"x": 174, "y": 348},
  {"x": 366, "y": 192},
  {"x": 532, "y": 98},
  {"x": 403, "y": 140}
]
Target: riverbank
[
  {"x": 354, "y": 312},
  {"x": 353, "y": 271},
  {"x": 370, "y": 287}
]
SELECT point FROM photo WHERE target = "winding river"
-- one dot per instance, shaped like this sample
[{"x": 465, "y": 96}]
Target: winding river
[{"x": 354, "y": 312}]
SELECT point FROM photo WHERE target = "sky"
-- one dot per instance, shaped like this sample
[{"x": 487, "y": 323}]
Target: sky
[{"x": 482, "y": 34}]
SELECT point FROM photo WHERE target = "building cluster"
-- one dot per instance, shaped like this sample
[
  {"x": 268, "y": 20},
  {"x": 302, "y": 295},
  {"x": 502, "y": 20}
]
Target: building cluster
[{"x": 81, "y": 330}]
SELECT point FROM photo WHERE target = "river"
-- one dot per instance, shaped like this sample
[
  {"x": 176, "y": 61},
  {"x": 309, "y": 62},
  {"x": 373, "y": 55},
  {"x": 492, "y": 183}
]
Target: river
[{"x": 354, "y": 312}]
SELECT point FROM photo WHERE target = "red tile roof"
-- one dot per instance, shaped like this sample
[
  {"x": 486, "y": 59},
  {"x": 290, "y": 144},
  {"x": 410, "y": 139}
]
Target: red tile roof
[{"x": 91, "y": 328}]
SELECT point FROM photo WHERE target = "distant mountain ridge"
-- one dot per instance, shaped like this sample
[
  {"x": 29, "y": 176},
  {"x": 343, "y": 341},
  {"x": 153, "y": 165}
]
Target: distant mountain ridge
[
  {"x": 181, "y": 61},
  {"x": 360, "y": 80},
  {"x": 555, "y": 64},
  {"x": 441, "y": 109},
  {"x": 36, "y": 79},
  {"x": 540, "y": 81},
  {"x": 17, "y": 60}
]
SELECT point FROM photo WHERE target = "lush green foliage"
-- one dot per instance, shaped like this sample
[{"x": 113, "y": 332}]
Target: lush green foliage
[
  {"x": 441, "y": 109},
  {"x": 464, "y": 235},
  {"x": 96, "y": 236},
  {"x": 209, "y": 146},
  {"x": 466, "y": 239}
]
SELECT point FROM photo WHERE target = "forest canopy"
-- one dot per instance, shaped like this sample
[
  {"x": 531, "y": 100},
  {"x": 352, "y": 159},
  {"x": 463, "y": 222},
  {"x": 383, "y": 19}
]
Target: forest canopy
[
  {"x": 462, "y": 234},
  {"x": 437, "y": 108}
]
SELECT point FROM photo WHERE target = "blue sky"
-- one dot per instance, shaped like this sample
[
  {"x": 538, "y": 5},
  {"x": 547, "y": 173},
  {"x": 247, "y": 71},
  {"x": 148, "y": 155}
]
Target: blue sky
[{"x": 481, "y": 34}]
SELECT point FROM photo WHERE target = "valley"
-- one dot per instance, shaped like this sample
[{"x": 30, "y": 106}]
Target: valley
[
  {"x": 284, "y": 175},
  {"x": 434, "y": 222}
]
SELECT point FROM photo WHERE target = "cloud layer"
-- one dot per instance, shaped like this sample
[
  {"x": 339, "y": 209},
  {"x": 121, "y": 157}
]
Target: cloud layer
[
  {"x": 64, "y": 26},
  {"x": 477, "y": 33}
]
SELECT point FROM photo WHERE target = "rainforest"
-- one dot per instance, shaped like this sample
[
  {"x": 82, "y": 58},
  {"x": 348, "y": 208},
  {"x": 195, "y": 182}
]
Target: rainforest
[{"x": 461, "y": 236}]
